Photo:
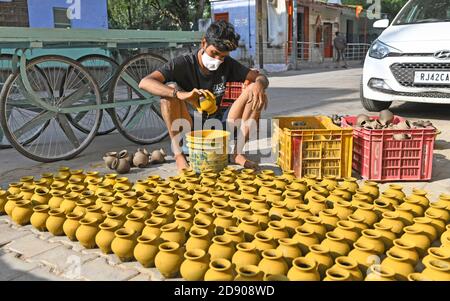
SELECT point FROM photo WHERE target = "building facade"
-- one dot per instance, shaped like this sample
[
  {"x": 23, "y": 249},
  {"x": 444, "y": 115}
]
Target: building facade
[
  {"x": 317, "y": 23},
  {"x": 83, "y": 14}
]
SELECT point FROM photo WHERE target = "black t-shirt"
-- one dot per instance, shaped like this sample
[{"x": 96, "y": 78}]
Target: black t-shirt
[{"x": 186, "y": 72}]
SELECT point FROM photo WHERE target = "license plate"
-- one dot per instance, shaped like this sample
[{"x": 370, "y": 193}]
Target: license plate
[{"x": 432, "y": 77}]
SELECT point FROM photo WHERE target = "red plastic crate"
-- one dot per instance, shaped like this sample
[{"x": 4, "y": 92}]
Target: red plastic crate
[
  {"x": 232, "y": 92},
  {"x": 378, "y": 157}
]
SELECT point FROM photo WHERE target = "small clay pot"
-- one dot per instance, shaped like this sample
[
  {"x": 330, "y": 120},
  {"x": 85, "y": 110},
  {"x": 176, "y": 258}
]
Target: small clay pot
[
  {"x": 140, "y": 158},
  {"x": 400, "y": 137},
  {"x": 158, "y": 157},
  {"x": 121, "y": 165},
  {"x": 386, "y": 117},
  {"x": 109, "y": 159},
  {"x": 361, "y": 118},
  {"x": 404, "y": 125}
]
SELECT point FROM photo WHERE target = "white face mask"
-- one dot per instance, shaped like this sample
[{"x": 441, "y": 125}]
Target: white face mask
[{"x": 210, "y": 63}]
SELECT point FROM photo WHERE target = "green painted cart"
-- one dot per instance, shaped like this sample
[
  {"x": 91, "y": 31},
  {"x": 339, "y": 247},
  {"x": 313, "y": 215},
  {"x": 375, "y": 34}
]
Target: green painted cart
[{"x": 52, "y": 106}]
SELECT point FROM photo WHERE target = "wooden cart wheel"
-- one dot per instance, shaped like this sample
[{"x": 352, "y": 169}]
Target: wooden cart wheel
[
  {"x": 103, "y": 69},
  {"x": 144, "y": 123},
  {"x": 58, "y": 138},
  {"x": 5, "y": 72}
]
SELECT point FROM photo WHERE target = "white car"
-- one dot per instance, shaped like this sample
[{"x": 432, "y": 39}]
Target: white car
[{"x": 410, "y": 61}]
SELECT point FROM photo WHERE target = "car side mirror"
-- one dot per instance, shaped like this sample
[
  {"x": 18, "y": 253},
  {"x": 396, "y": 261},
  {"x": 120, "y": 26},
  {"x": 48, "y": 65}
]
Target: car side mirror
[{"x": 384, "y": 23}]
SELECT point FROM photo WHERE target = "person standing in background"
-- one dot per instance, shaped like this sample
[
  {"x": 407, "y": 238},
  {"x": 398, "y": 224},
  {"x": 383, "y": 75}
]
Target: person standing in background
[{"x": 340, "y": 44}]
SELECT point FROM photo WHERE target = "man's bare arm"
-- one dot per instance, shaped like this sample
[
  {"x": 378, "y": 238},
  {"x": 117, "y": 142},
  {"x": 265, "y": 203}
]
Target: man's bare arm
[{"x": 153, "y": 84}]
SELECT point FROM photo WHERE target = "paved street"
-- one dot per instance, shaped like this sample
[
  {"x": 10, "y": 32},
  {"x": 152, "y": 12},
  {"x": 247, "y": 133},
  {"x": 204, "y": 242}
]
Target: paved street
[{"x": 28, "y": 255}]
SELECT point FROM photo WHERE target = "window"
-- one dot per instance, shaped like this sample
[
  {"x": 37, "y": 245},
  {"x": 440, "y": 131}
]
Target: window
[{"x": 60, "y": 18}]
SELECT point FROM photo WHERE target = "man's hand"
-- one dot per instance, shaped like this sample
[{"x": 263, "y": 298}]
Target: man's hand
[
  {"x": 192, "y": 97},
  {"x": 259, "y": 96}
]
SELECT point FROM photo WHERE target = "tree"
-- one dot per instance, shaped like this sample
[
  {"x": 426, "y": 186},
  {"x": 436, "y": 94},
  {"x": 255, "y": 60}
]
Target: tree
[
  {"x": 157, "y": 14},
  {"x": 389, "y": 7}
]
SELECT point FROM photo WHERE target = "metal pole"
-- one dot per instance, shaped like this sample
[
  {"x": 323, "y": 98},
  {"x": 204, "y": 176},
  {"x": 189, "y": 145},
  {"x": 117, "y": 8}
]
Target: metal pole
[
  {"x": 294, "y": 54},
  {"x": 259, "y": 5}
]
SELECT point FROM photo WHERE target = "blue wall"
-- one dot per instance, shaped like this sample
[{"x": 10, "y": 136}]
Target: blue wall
[
  {"x": 242, "y": 14},
  {"x": 94, "y": 13}
]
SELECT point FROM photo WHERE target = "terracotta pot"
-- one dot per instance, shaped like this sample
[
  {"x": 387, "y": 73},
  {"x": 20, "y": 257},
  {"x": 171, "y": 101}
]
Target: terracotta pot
[
  {"x": 87, "y": 232},
  {"x": 350, "y": 265},
  {"x": 205, "y": 213},
  {"x": 442, "y": 254},
  {"x": 290, "y": 221},
  {"x": 198, "y": 239},
  {"x": 153, "y": 226},
  {"x": 90, "y": 175},
  {"x": 27, "y": 192},
  {"x": 371, "y": 188},
  {"x": 277, "y": 210},
  {"x": 56, "y": 199},
  {"x": 350, "y": 184},
  {"x": 334, "y": 197},
  {"x": 292, "y": 199},
  {"x": 322, "y": 255},
  {"x": 124, "y": 243},
  {"x": 122, "y": 182},
  {"x": 11, "y": 203},
  {"x": 169, "y": 259},
  {"x": 141, "y": 158},
  {"x": 380, "y": 207},
  {"x": 173, "y": 233},
  {"x": 426, "y": 225},
  {"x": 364, "y": 254},
  {"x": 277, "y": 230},
  {"x": 135, "y": 221},
  {"x": 406, "y": 249},
  {"x": 358, "y": 199},
  {"x": 110, "y": 179},
  {"x": 249, "y": 225},
  {"x": 417, "y": 277},
  {"x": 387, "y": 236},
  {"x": 70, "y": 202},
  {"x": 280, "y": 183},
  {"x": 304, "y": 269},
  {"x": 348, "y": 230},
  {"x": 361, "y": 119},
  {"x": 330, "y": 182},
  {"x": 436, "y": 221},
  {"x": 302, "y": 211},
  {"x": 413, "y": 205},
  {"x": 377, "y": 272},
  {"x": 399, "y": 263},
  {"x": 273, "y": 195},
  {"x": 218, "y": 196},
  {"x": 396, "y": 191},
  {"x": 195, "y": 265},
  {"x": 3, "y": 199},
  {"x": 264, "y": 241},
  {"x": 146, "y": 250},
  {"x": 273, "y": 262},
  {"x": 441, "y": 210},
  {"x": 314, "y": 223},
  {"x": 445, "y": 235},
  {"x": 416, "y": 236},
  {"x": 367, "y": 212},
  {"x": 249, "y": 272},
  {"x": 289, "y": 175},
  {"x": 139, "y": 208},
  {"x": 336, "y": 243},
  {"x": 359, "y": 222},
  {"x": 317, "y": 203},
  {"x": 55, "y": 222},
  {"x": 390, "y": 198},
  {"x": 203, "y": 224},
  {"x": 305, "y": 238},
  {"x": 290, "y": 249},
  {"x": 71, "y": 225},
  {"x": 235, "y": 234},
  {"x": 262, "y": 215},
  {"x": 183, "y": 221},
  {"x": 370, "y": 236},
  {"x": 242, "y": 210},
  {"x": 265, "y": 187},
  {"x": 41, "y": 196},
  {"x": 329, "y": 218},
  {"x": 335, "y": 274},
  {"x": 22, "y": 212},
  {"x": 421, "y": 196},
  {"x": 344, "y": 209},
  {"x": 299, "y": 185},
  {"x": 222, "y": 221},
  {"x": 220, "y": 270},
  {"x": 92, "y": 184},
  {"x": 437, "y": 270},
  {"x": 221, "y": 206},
  {"x": 121, "y": 206},
  {"x": 246, "y": 254},
  {"x": 81, "y": 206},
  {"x": 272, "y": 278},
  {"x": 122, "y": 164},
  {"x": 14, "y": 188},
  {"x": 106, "y": 235},
  {"x": 392, "y": 219},
  {"x": 95, "y": 212},
  {"x": 222, "y": 247},
  {"x": 39, "y": 217},
  {"x": 314, "y": 191},
  {"x": 310, "y": 180}
]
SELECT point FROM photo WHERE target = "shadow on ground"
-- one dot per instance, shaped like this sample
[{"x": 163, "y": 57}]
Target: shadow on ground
[{"x": 7, "y": 273}]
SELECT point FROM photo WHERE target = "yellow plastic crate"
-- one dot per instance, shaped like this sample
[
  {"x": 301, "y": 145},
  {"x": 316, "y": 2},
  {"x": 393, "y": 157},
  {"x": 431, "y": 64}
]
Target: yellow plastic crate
[{"x": 313, "y": 145}]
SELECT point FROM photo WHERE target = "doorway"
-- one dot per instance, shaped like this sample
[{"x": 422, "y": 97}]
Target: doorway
[
  {"x": 328, "y": 40},
  {"x": 350, "y": 31}
]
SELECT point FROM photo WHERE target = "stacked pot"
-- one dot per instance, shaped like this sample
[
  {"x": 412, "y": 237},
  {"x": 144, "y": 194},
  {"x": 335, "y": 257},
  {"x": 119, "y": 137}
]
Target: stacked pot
[{"x": 242, "y": 225}]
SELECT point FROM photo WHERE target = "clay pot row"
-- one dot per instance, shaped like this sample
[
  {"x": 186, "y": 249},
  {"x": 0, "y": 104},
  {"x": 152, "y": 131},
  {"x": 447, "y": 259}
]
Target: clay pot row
[{"x": 123, "y": 161}]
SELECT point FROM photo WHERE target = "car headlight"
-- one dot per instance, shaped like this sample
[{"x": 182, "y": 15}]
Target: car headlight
[{"x": 379, "y": 50}]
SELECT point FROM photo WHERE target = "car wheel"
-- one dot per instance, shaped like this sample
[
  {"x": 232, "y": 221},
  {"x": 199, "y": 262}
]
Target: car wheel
[{"x": 373, "y": 105}]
